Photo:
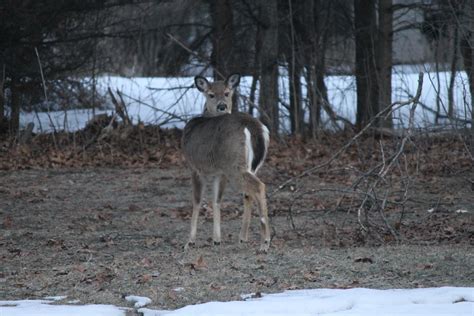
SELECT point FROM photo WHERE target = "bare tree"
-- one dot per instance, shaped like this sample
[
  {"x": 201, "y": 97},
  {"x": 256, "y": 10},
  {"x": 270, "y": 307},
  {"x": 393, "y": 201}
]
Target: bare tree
[
  {"x": 384, "y": 56},
  {"x": 454, "y": 36},
  {"x": 365, "y": 67},
  {"x": 268, "y": 98},
  {"x": 60, "y": 33},
  {"x": 294, "y": 60},
  {"x": 467, "y": 53},
  {"x": 311, "y": 53},
  {"x": 3, "y": 124},
  {"x": 373, "y": 59},
  {"x": 223, "y": 41}
]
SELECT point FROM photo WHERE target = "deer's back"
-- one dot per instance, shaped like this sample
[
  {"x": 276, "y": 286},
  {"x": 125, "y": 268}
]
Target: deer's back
[{"x": 217, "y": 145}]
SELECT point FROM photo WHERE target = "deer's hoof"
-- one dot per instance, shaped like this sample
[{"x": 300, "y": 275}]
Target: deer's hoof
[
  {"x": 188, "y": 245},
  {"x": 217, "y": 243},
  {"x": 264, "y": 247}
]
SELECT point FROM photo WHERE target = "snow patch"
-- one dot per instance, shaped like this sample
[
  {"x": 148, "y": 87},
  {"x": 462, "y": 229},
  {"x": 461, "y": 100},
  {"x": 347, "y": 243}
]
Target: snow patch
[
  {"x": 43, "y": 308},
  {"x": 440, "y": 301},
  {"x": 55, "y": 298},
  {"x": 139, "y": 301},
  {"x": 167, "y": 101},
  {"x": 333, "y": 302}
]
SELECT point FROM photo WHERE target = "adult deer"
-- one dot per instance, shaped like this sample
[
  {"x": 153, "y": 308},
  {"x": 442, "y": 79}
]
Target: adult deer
[{"x": 223, "y": 147}]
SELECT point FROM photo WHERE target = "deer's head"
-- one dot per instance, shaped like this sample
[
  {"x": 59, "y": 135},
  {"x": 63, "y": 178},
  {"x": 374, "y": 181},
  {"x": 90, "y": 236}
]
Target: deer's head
[{"x": 218, "y": 94}]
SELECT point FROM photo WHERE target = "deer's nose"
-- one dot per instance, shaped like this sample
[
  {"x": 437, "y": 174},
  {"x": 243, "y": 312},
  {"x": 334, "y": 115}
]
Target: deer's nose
[{"x": 221, "y": 107}]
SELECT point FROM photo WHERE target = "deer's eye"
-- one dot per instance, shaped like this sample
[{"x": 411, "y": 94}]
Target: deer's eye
[
  {"x": 211, "y": 95},
  {"x": 226, "y": 94}
]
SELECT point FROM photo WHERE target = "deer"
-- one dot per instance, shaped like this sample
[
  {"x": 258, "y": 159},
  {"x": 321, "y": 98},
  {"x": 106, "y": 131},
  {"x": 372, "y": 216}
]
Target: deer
[{"x": 226, "y": 148}]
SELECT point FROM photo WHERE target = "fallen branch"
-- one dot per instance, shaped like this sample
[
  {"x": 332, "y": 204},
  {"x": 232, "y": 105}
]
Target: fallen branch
[{"x": 120, "y": 107}]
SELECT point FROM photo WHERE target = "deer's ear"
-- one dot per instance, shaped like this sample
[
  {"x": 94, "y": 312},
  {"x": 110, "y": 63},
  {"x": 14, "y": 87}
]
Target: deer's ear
[
  {"x": 201, "y": 83},
  {"x": 233, "y": 81}
]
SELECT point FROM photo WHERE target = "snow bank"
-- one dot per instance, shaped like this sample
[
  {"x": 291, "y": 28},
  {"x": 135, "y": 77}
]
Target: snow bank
[
  {"x": 446, "y": 301},
  {"x": 44, "y": 308},
  {"x": 166, "y": 101},
  {"x": 330, "y": 302}
]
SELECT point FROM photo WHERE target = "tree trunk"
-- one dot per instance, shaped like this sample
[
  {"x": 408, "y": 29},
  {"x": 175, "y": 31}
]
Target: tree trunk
[
  {"x": 310, "y": 38},
  {"x": 268, "y": 99},
  {"x": 2, "y": 104},
  {"x": 455, "y": 39},
  {"x": 467, "y": 53},
  {"x": 256, "y": 68},
  {"x": 295, "y": 66},
  {"x": 384, "y": 58},
  {"x": 438, "y": 83},
  {"x": 321, "y": 90},
  {"x": 365, "y": 68},
  {"x": 294, "y": 71},
  {"x": 223, "y": 42},
  {"x": 15, "y": 107}
]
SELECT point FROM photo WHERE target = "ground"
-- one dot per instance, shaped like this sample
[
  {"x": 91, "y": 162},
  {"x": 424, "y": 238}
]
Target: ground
[{"x": 96, "y": 234}]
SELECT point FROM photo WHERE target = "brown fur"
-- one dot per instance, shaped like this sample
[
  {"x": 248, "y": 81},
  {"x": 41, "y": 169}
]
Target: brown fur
[{"x": 215, "y": 147}]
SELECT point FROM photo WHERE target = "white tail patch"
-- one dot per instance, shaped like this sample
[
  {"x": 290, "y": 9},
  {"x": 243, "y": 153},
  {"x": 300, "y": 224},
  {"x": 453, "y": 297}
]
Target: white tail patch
[
  {"x": 248, "y": 149},
  {"x": 266, "y": 139},
  {"x": 266, "y": 136}
]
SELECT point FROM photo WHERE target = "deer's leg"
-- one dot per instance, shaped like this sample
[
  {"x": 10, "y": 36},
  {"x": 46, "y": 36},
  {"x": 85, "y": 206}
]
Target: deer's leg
[
  {"x": 218, "y": 187},
  {"x": 197, "y": 199},
  {"x": 244, "y": 231},
  {"x": 256, "y": 189}
]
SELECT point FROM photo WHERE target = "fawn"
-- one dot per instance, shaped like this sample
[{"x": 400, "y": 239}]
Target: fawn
[{"x": 226, "y": 147}]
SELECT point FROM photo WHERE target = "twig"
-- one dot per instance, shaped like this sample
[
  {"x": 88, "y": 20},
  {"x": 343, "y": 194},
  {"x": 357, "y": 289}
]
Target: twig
[
  {"x": 120, "y": 107},
  {"x": 172, "y": 115},
  {"x": 393, "y": 107},
  {"x": 186, "y": 48},
  {"x": 46, "y": 96}
]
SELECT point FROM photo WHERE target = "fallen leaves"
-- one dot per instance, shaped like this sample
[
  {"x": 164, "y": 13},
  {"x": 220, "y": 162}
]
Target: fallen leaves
[
  {"x": 216, "y": 287},
  {"x": 7, "y": 222},
  {"x": 199, "y": 264},
  {"x": 58, "y": 243},
  {"x": 364, "y": 260},
  {"x": 425, "y": 266},
  {"x": 146, "y": 262},
  {"x": 145, "y": 278},
  {"x": 311, "y": 276},
  {"x": 99, "y": 278},
  {"x": 141, "y": 146}
]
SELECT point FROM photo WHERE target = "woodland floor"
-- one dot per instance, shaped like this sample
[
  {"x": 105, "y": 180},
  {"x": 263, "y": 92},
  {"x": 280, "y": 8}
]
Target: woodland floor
[{"x": 108, "y": 220}]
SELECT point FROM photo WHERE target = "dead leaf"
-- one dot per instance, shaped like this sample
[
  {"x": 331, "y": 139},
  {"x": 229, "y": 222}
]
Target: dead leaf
[
  {"x": 354, "y": 283},
  {"x": 144, "y": 279},
  {"x": 55, "y": 243},
  {"x": 364, "y": 260},
  {"x": 425, "y": 266},
  {"x": 146, "y": 262},
  {"x": 105, "y": 216},
  {"x": 449, "y": 230},
  {"x": 311, "y": 276},
  {"x": 172, "y": 295},
  {"x": 133, "y": 208},
  {"x": 7, "y": 222},
  {"x": 199, "y": 264},
  {"x": 216, "y": 287}
]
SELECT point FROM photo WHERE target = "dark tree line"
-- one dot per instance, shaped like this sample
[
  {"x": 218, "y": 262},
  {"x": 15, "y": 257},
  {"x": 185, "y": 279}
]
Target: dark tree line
[{"x": 303, "y": 41}]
